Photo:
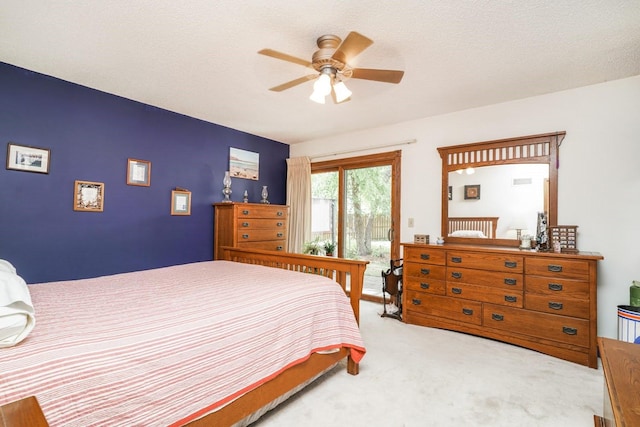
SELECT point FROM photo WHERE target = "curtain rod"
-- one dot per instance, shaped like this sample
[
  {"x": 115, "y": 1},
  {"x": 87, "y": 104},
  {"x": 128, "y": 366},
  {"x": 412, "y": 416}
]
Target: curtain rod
[{"x": 395, "y": 144}]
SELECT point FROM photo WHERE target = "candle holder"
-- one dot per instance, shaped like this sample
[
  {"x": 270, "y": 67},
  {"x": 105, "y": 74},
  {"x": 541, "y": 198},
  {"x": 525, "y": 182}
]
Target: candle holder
[
  {"x": 265, "y": 195},
  {"x": 226, "y": 190},
  {"x": 245, "y": 197}
]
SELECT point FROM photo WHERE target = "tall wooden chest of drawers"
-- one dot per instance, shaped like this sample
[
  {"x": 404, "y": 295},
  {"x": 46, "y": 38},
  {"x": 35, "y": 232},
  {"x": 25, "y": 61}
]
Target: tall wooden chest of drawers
[
  {"x": 542, "y": 301},
  {"x": 250, "y": 225}
]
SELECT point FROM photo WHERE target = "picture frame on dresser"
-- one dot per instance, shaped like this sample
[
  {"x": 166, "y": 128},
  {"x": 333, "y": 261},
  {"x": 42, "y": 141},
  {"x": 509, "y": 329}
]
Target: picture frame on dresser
[{"x": 28, "y": 159}]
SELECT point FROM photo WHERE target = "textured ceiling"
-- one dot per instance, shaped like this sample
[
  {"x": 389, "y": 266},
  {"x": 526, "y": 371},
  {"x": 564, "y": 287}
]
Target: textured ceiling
[{"x": 199, "y": 57}]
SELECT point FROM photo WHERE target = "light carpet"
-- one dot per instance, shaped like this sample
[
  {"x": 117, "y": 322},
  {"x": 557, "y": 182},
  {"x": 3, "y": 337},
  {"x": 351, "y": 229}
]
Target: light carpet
[{"x": 417, "y": 376}]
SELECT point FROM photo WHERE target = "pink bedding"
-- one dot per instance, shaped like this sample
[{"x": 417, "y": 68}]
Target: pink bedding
[{"x": 160, "y": 347}]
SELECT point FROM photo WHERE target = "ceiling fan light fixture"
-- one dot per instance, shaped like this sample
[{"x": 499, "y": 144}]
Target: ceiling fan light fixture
[
  {"x": 317, "y": 97},
  {"x": 323, "y": 84},
  {"x": 342, "y": 92}
]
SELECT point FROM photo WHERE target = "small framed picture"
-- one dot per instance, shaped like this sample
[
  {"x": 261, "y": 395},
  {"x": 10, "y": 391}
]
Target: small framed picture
[
  {"x": 472, "y": 192},
  {"x": 88, "y": 196},
  {"x": 28, "y": 159},
  {"x": 138, "y": 172},
  {"x": 180, "y": 202}
]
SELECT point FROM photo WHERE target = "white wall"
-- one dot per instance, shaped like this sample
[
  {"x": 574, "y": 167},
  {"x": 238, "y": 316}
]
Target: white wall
[{"x": 599, "y": 175}]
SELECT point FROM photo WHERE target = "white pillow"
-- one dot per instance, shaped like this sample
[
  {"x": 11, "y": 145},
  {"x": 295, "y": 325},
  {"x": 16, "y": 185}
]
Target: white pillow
[
  {"x": 17, "y": 316},
  {"x": 7, "y": 266},
  {"x": 468, "y": 233}
]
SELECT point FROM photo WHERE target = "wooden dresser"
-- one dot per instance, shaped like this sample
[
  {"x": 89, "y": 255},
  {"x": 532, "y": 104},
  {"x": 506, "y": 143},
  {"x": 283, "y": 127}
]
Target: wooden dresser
[
  {"x": 250, "y": 225},
  {"x": 621, "y": 366},
  {"x": 542, "y": 301}
]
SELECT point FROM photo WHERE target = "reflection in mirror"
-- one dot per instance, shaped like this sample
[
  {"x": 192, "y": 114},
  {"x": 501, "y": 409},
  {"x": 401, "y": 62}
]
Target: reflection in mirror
[
  {"x": 503, "y": 195},
  {"x": 513, "y": 194}
]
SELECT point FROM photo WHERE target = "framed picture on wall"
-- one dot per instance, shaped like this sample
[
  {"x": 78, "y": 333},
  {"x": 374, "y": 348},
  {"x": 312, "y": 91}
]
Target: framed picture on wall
[
  {"x": 28, "y": 159},
  {"x": 180, "y": 202},
  {"x": 472, "y": 192},
  {"x": 244, "y": 164},
  {"x": 88, "y": 196},
  {"x": 138, "y": 172}
]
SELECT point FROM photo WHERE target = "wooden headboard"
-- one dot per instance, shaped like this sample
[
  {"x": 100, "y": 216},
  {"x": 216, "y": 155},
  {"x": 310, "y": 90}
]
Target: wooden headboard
[{"x": 486, "y": 224}]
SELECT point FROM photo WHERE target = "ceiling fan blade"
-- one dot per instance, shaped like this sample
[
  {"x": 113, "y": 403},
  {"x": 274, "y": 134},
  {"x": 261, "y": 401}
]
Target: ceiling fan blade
[
  {"x": 386, "y": 76},
  {"x": 351, "y": 47},
  {"x": 292, "y": 83},
  {"x": 283, "y": 56}
]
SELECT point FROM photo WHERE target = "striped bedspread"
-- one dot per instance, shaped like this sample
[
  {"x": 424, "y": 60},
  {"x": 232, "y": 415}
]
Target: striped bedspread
[{"x": 159, "y": 347}]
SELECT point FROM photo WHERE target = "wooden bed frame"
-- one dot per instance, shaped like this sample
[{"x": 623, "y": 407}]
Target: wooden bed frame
[
  {"x": 348, "y": 273},
  {"x": 486, "y": 224}
]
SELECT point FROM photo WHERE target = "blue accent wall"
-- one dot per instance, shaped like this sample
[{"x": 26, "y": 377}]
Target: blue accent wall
[{"x": 91, "y": 134}]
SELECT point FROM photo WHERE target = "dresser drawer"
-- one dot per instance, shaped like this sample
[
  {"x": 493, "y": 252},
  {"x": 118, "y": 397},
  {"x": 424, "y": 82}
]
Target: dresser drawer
[
  {"x": 546, "y": 326},
  {"x": 425, "y": 285},
  {"x": 424, "y": 271},
  {"x": 485, "y": 294},
  {"x": 261, "y": 235},
  {"x": 256, "y": 223},
  {"x": 444, "y": 307},
  {"x": 268, "y": 245},
  {"x": 557, "y": 305},
  {"x": 485, "y": 261},
  {"x": 424, "y": 254},
  {"x": 558, "y": 267},
  {"x": 558, "y": 287},
  {"x": 266, "y": 211},
  {"x": 504, "y": 280}
]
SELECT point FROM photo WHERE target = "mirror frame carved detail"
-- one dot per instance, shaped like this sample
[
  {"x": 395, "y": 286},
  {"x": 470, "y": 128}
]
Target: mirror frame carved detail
[{"x": 543, "y": 149}]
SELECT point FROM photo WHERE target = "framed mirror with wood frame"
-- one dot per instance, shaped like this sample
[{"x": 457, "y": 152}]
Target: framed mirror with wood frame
[{"x": 496, "y": 221}]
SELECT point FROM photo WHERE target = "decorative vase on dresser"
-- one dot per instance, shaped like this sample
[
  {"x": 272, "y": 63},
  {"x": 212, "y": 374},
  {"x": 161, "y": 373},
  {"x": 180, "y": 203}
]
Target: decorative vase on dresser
[
  {"x": 542, "y": 301},
  {"x": 250, "y": 225}
]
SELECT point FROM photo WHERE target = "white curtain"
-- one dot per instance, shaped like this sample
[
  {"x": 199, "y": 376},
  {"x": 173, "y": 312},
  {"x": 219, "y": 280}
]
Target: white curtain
[{"x": 299, "y": 201}]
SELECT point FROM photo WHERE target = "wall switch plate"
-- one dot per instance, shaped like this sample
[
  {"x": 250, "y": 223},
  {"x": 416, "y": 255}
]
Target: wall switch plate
[{"x": 410, "y": 222}]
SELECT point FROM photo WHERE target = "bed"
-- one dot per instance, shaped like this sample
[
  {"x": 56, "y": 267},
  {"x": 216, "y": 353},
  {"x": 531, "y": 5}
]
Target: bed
[
  {"x": 215, "y": 343},
  {"x": 482, "y": 227}
]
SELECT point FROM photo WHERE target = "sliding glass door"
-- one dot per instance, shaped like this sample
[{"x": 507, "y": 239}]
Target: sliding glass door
[{"x": 356, "y": 207}]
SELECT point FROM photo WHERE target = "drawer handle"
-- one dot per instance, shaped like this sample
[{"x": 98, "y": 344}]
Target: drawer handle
[
  {"x": 279, "y": 234},
  {"x": 511, "y": 264},
  {"x": 510, "y": 281},
  {"x": 424, "y": 256},
  {"x": 245, "y": 224},
  {"x": 467, "y": 311},
  {"x": 456, "y": 259},
  {"x": 497, "y": 317},
  {"x": 425, "y": 285},
  {"x": 456, "y": 275},
  {"x": 456, "y": 291},
  {"x": 279, "y": 248},
  {"x": 416, "y": 301},
  {"x": 245, "y": 212},
  {"x": 555, "y": 305},
  {"x": 569, "y": 331},
  {"x": 425, "y": 271},
  {"x": 554, "y": 268},
  {"x": 279, "y": 224},
  {"x": 510, "y": 298},
  {"x": 555, "y": 286},
  {"x": 280, "y": 213},
  {"x": 245, "y": 236}
]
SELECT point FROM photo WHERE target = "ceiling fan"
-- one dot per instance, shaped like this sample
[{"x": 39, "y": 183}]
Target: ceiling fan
[{"x": 331, "y": 63}]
